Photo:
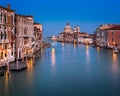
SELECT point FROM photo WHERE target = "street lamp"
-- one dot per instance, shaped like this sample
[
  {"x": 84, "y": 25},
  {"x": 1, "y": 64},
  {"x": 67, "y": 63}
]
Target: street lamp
[{"x": 115, "y": 44}]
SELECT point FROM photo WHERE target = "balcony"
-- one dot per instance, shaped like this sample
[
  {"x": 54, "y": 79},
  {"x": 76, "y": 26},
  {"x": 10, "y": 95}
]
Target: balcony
[{"x": 4, "y": 41}]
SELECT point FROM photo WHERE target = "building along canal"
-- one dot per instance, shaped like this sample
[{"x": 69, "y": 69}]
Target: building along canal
[{"x": 67, "y": 70}]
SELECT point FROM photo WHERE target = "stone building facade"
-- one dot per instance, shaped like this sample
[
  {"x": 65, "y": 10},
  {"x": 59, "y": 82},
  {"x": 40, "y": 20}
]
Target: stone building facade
[
  {"x": 108, "y": 35},
  {"x": 24, "y": 35},
  {"x": 38, "y": 36},
  {"x": 7, "y": 34}
]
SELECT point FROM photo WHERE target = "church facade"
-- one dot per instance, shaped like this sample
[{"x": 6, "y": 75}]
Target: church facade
[{"x": 69, "y": 34}]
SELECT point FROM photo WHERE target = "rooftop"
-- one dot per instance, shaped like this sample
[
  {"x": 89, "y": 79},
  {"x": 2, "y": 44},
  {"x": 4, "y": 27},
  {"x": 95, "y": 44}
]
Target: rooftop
[
  {"x": 7, "y": 8},
  {"x": 109, "y": 27}
]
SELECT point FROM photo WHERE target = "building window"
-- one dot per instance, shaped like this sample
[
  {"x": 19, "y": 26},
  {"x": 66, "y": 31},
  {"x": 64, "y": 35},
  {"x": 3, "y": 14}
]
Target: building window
[
  {"x": 15, "y": 30},
  {"x": 15, "y": 20},
  {"x": 112, "y": 40},
  {"x": 11, "y": 19},
  {"x": 5, "y": 18},
  {"x": 1, "y": 35},
  {"x": 5, "y": 55},
  {"x": 112, "y": 33},
  {"x": 12, "y": 53},
  {"x": 5, "y": 35},
  {"x": 12, "y": 45},
  {"x": 1, "y": 55},
  {"x": 32, "y": 39},
  {"x": 1, "y": 18},
  {"x": 5, "y": 46}
]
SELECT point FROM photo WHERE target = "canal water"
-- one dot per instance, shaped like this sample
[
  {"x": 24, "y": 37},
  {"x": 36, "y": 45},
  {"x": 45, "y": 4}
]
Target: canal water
[{"x": 67, "y": 70}]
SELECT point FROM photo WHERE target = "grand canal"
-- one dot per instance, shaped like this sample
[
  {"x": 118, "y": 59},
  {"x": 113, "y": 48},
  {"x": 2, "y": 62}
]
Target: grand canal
[{"x": 67, "y": 70}]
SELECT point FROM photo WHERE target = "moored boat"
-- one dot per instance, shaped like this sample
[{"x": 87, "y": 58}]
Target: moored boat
[{"x": 115, "y": 50}]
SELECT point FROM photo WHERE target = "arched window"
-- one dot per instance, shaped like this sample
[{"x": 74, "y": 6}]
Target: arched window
[
  {"x": 12, "y": 19},
  {"x": 5, "y": 35},
  {"x": 0, "y": 17},
  {"x": 1, "y": 35},
  {"x": 1, "y": 55},
  {"x": 5, "y": 54},
  {"x": 5, "y": 18}
]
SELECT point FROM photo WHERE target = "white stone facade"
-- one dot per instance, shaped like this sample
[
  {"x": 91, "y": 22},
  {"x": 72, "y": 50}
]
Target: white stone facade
[{"x": 24, "y": 35}]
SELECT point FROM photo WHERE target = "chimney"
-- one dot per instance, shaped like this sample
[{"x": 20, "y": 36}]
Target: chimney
[{"x": 8, "y": 6}]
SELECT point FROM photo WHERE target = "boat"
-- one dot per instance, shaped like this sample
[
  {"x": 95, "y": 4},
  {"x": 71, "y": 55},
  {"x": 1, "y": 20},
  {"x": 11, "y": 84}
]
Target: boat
[
  {"x": 115, "y": 50},
  {"x": 2, "y": 70},
  {"x": 19, "y": 69},
  {"x": 2, "y": 73}
]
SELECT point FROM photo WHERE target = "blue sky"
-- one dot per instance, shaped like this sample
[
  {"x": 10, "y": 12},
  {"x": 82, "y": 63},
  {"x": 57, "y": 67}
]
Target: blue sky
[{"x": 54, "y": 14}]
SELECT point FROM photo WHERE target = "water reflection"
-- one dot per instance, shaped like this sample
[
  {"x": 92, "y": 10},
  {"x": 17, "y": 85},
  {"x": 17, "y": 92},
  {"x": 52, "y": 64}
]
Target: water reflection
[
  {"x": 114, "y": 58},
  {"x": 56, "y": 75},
  {"x": 74, "y": 46},
  {"x": 98, "y": 49},
  {"x": 87, "y": 53},
  {"x": 115, "y": 62},
  {"x": 7, "y": 81},
  {"x": 63, "y": 44},
  {"x": 30, "y": 64},
  {"x": 30, "y": 69},
  {"x": 53, "y": 57}
]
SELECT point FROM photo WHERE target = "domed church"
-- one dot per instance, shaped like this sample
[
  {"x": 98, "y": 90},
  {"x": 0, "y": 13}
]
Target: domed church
[{"x": 69, "y": 34}]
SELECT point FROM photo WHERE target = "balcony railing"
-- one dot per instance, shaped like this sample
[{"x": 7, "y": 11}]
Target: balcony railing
[{"x": 4, "y": 41}]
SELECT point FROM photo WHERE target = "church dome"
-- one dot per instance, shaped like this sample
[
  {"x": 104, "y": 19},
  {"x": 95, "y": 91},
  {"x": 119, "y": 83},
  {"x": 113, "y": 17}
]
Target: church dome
[{"x": 68, "y": 28}]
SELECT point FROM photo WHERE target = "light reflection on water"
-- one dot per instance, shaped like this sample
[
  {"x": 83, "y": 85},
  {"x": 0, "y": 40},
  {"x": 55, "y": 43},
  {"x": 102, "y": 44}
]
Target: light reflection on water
[
  {"x": 63, "y": 46},
  {"x": 98, "y": 49},
  {"x": 30, "y": 70},
  {"x": 75, "y": 46},
  {"x": 53, "y": 61},
  {"x": 87, "y": 53},
  {"x": 63, "y": 73},
  {"x": 7, "y": 82},
  {"x": 30, "y": 64},
  {"x": 63, "y": 43},
  {"x": 115, "y": 59},
  {"x": 115, "y": 66}
]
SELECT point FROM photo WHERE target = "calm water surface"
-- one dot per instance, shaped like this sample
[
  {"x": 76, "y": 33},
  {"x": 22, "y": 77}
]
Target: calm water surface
[{"x": 67, "y": 70}]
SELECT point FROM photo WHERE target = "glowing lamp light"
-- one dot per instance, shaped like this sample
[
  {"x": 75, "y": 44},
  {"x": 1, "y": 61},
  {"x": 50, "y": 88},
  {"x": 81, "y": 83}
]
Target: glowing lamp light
[
  {"x": 53, "y": 50},
  {"x": 114, "y": 43}
]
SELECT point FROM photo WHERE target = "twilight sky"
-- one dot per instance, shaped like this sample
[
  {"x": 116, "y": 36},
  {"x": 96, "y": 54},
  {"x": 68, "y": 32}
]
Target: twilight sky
[{"x": 54, "y": 14}]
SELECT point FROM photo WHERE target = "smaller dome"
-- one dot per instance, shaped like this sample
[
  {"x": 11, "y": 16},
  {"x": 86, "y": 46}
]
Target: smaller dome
[{"x": 77, "y": 29}]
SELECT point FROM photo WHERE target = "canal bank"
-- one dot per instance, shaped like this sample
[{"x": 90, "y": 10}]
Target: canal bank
[
  {"x": 21, "y": 64},
  {"x": 67, "y": 70}
]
